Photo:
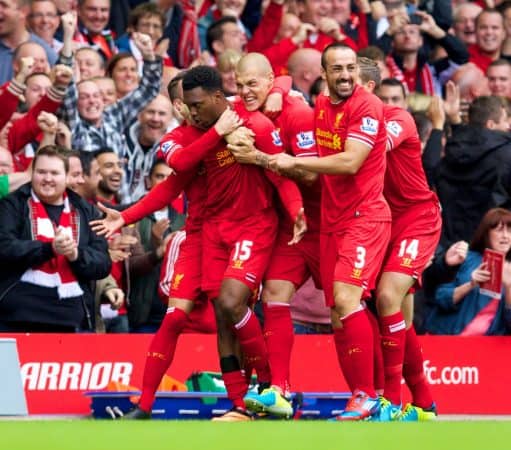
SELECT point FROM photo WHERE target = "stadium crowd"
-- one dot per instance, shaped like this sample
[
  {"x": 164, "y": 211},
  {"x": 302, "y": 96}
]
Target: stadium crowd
[{"x": 312, "y": 166}]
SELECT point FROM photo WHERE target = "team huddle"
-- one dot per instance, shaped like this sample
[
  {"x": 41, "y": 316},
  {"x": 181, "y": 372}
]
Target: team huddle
[{"x": 337, "y": 193}]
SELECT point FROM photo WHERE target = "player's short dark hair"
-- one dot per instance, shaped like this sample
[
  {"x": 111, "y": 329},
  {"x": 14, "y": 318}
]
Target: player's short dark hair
[
  {"x": 369, "y": 71},
  {"x": 333, "y": 46},
  {"x": 482, "y": 109},
  {"x": 394, "y": 82},
  {"x": 173, "y": 86},
  {"x": 372, "y": 52},
  {"x": 215, "y": 31},
  {"x": 86, "y": 159},
  {"x": 206, "y": 77}
]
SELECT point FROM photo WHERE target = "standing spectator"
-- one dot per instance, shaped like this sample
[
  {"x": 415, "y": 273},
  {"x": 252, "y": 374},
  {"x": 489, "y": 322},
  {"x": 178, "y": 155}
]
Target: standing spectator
[
  {"x": 92, "y": 30},
  {"x": 48, "y": 253},
  {"x": 91, "y": 177},
  {"x": 43, "y": 20},
  {"x": 123, "y": 70},
  {"x": 142, "y": 141},
  {"x": 13, "y": 33},
  {"x": 490, "y": 35},
  {"x": 90, "y": 63},
  {"x": 304, "y": 66},
  {"x": 460, "y": 307},
  {"x": 499, "y": 78},
  {"x": 464, "y": 25}
]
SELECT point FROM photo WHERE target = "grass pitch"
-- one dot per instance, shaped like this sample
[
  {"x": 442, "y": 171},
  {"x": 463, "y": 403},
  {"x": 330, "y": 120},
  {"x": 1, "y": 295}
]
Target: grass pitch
[{"x": 204, "y": 435}]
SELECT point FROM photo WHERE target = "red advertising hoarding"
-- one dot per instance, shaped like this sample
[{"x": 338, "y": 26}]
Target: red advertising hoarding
[{"x": 466, "y": 373}]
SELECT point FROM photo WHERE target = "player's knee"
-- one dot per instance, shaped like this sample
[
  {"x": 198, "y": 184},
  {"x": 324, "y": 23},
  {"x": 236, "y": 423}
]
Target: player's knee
[
  {"x": 387, "y": 299},
  {"x": 346, "y": 304},
  {"x": 230, "y": 307}
]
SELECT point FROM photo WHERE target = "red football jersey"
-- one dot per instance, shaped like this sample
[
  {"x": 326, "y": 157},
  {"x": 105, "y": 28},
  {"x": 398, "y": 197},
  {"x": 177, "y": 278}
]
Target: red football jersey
[
  {"x": 405, "y": 181},
  {"x": 236, "y": 191},
  {"x": 296, "y": 127},
  {"x": 193, "y": 182},
  {"x": 345, "y": 197}
]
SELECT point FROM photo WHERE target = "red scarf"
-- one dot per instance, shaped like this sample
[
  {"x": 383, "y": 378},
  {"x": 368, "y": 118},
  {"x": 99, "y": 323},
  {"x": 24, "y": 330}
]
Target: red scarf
[
  {"x": 423, "y": 75},
  {"x": 55, "y": 272}
]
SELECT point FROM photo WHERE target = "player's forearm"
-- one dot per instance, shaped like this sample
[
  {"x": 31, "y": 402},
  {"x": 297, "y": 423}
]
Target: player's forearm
[
  {"x": 186, "y": 158},
  {"x": 288, "y": 192},
  {"x": 340, "y": 164}
]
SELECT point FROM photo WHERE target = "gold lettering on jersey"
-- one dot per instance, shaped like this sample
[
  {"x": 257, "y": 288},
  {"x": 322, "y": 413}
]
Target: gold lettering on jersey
[
  {"x": 325, "y": 138},
  {"x": 177, "y": 280},
  {"x": 356, "y": 273},
  {"x": 224, "y": 158},
  {"x": 237, "y": 264}
]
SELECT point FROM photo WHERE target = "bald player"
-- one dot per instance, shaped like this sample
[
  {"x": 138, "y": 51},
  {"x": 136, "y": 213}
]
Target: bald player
[{"x": 290, "y": 266}]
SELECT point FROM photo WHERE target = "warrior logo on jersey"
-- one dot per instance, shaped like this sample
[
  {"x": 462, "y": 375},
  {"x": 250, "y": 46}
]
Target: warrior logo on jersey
[
  {"x": 394, "y": 128},
  {"x": 369, "y": 126},
  {"x": 305, "y": 139},
  {"x": 276, "y": 138}
]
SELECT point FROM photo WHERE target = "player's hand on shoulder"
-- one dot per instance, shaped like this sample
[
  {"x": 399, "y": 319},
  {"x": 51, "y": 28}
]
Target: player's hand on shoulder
[{"x": 227, "y": 122}]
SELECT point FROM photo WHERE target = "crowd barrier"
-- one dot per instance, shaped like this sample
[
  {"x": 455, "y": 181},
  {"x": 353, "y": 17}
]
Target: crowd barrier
[{"x": 467, "y": 375}]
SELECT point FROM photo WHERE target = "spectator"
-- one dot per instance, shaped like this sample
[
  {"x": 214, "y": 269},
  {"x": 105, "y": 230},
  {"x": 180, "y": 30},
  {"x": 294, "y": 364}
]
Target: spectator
[
  {"x": 123, "y": 70},
  {"x": 471, "y": 83},
  {"x": 499, "y": 78},
  {"x": 142, "y": 140},
  {"x": 34, "y": 51},
  {"x": 476, "y": 170},
  {"x": 90, "y": 63},
  {"x": 45, "y": 279},
  {"x": 92, "y": 30},
  {"x": 91, "y": 177},
  {"x": 43, "y": 20},
  {"x": 505, "y": 9},
  {"x": 10, "y": 181},
  {"x": 225, "y": 34},
  {"x": 490, "y": 35},
  {"x": 92, "y": 125},
  {"x": 460, "y": 306},
  {"x": 107, "y": 88},
  {"x": 13, "y": 33},
  {"x": 65, "y": 6},
  {"x": 309, "y": 312},
  {"x": 464, "y": 25},
  {"x": 304, "y": 66},
  {"x": 226, "y": 65},
  {"x": 111, "y": 177}
]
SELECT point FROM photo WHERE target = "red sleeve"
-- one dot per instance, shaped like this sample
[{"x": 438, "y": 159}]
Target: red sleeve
[
  {"x": 400, "y": 127},
  {"x": 289, "y": 193},
  {"x": 158, "y": 197},
  {"x": 186, "y": 158},
  {"x": 279, "y": 53},
  {"x": 365, "y": 121},
  {"x": 267, "y": 28},
  {"x": 26, "y": 130},
  {"x": 300, "y": 129},
  {"x": 282, "y": 85},
  {"x": 9, "y": 99}
]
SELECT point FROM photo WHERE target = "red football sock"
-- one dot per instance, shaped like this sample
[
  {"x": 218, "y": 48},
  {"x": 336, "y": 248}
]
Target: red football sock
[
  {"x": 393, "y": 330},
  {"x": 279, "y": 336},
  {"x": 354, "y": 344},
  {"x": 249, "y": 334},
  {"x": 413, "y": 371},
  {"x": 160, "y": 355},
  {"x": 379, "y": 373},
  {"x": 236, "y": 387}
]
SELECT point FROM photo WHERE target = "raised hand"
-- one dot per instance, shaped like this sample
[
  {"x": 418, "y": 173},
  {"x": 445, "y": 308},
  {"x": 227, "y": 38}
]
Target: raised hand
[
  {"x": 107, "y": 226},
  {"x": 456, "y": 253},
  {"x": 62, "y": 75},
  {"x": 452, "y": 102},
  {"x": 47, "y": 122},
  {"x": 227, "y": 122},
  {"x": 273, "y": 105},
  {"x": 145, "y": 44},
  {"x": 26, "y": 67},
  {"x": 68, "y": 21}
]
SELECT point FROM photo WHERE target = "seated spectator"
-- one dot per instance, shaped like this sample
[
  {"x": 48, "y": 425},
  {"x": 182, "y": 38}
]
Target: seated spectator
[
  {"x": 123, "y": 70},
  {"x": 460, "y": 307},
  {"x": 90, "y": 63},
  {"x": 464, "y": 24},
  {"x": 43, "y": 20},
  {"x": 490, "y": 35},
  {"x": 46, "y": 269},
  {"x": 309, "y": 313},
  {"x": 499, "y": 78},
  {"x": 93, "y": 29},
  {"x": 476, "y": 170},
  {"x": 13, "y": 33}
]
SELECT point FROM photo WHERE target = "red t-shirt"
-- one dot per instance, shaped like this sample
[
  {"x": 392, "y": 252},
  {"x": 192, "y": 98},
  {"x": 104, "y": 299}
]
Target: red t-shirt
[
  {"x": 405, "y": 181},
  {"x": 346, "y": 197},
  {"x": 236, "y": 191},
  {"x": 296, "y": 128}
]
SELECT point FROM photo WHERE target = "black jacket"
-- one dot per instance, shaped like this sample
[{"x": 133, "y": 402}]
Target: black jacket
[
  {"x": 24, "y": 302},
  {"x": 474, "y": 176}
]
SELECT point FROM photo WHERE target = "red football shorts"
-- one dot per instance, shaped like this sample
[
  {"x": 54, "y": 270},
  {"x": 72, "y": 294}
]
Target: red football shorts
[
  {"x": 353, "y": 255},
  {"x": 413, "y": 241},
  {"x": 239, "y": 249},
  {"x": 180, "y": 275},
  {"x": 295, "y": 263}
]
